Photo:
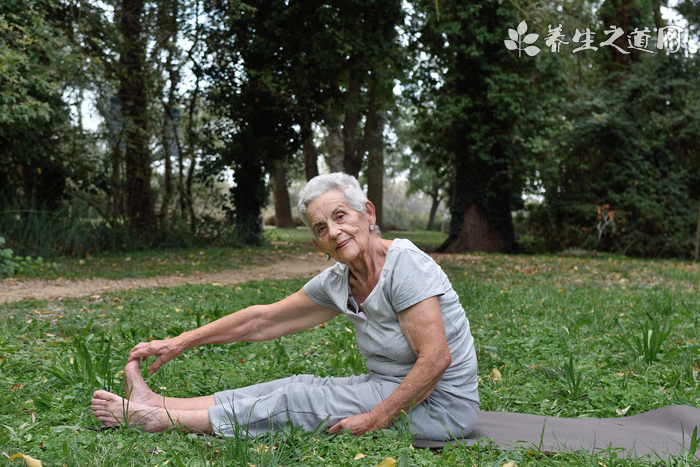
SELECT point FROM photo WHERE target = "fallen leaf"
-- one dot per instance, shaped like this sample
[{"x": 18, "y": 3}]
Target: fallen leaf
[
  {"x": 623, "y": 412},
  {"x": 496, "y": 375},
  {"x": 16, "y": 386},
  {"x": 359, "y": 456},
  {"x": 30, "y": 461},
  {"x": 510, "y": 464},
  {"x": 388, "y": 462}
]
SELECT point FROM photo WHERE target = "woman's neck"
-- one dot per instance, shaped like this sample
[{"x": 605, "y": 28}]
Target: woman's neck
[{"x": 368, "y": 267}]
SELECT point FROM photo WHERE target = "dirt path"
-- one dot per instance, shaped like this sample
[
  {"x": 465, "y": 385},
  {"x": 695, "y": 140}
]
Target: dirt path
[{"x": 304, "y": 265}]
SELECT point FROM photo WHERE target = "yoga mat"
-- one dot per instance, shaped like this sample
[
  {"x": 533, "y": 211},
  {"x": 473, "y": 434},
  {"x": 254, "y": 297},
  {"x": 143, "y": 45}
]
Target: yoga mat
[{"x": 659, "y": 432}]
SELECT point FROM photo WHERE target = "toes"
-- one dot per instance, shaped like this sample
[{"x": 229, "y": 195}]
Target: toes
[{"x": 133, "y": 365}]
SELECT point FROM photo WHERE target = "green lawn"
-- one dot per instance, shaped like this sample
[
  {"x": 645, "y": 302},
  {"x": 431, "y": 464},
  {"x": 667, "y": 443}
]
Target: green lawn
[
  {"x": 280, "y": 243},
  {"x": 421, "y": 238},
  {"x": 561, "y": 331}
]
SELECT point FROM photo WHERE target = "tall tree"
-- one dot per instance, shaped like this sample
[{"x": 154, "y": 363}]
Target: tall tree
[
  {"x": 133, "y": 89},
  {"x": 476, "y": 92},
  {"x": 35, "y": 64},
  {"x": 259, "y": 43}
]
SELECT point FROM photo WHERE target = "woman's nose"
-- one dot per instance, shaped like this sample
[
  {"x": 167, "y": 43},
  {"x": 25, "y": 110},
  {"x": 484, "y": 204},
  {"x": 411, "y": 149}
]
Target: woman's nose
[{"x": 333, "y": 229}]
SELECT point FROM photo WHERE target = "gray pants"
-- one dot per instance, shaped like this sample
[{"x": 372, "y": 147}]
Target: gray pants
[{"x": 307, "y": 400}]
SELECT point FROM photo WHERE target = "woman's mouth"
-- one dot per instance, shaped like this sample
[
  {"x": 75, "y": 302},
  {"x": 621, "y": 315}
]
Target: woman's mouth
[{"x": 342, "y": 244}]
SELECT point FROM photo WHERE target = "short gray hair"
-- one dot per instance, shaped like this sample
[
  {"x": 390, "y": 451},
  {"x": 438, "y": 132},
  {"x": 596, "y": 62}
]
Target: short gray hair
[{"x": 338, "y": 181}]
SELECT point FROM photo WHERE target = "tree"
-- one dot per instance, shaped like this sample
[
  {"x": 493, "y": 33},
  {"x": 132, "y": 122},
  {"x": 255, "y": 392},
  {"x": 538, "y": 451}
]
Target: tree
[
  {"x": 625, "y": 142},
  {"x": 372, "y": 61},
  {"x": 35, "y": 62},
  {"x": 278, "y": 69},
  {"x": 472, "y": 92},
  {"x": 418, "y": 154},
  {"x": 133, "y": 89},
  {"x": 260, "y": 45}
]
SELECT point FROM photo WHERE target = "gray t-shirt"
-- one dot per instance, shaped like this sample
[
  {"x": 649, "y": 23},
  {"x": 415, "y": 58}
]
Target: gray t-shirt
[{"x": 409, "y": 276}]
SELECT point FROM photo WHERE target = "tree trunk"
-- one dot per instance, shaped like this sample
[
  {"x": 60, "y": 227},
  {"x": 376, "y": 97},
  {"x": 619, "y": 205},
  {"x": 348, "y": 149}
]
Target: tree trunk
[
  {"x": 433, "y": 212},
  {"x": 132, "y": 92},
  {"x": 481, "y": 217},
  {"x": 658, "y": 19},
  {"x": 249, "y": 178},
  {"x": 335, "y": 149},
  {"x": 374, "y": 134},
  {"x": 697, "y": 237},
  {"x": 477, "y": 234},
  {"x": 352, "y": 162},
  {"x": 171, "y": 143},
  {"x": 310, "y": 155},
  {"x": 283, "y": 209},
  {"x": 188, "y": 192},
  {"x": 116, "y": 202},
  {"x": 168, "y": 130}
]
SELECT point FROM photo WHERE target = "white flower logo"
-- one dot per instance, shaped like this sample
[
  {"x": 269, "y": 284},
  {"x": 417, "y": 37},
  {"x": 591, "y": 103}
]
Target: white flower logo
[{"x": 515, "y": 43}]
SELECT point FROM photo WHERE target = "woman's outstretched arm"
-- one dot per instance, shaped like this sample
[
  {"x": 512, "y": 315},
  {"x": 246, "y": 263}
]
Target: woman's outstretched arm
[{"x": 253, "y": 324}]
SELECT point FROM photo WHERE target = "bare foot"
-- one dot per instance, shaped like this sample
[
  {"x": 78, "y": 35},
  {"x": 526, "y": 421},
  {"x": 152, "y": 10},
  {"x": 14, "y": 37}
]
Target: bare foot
[
  {"x": 113, "y": 410},
  {"x": 136, "y": 388}
]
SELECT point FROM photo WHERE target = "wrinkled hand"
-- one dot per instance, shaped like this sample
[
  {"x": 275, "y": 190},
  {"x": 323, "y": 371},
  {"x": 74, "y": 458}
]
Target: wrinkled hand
[
  {"x": 357, "y": 425},
  {"x": 164, "y": 351}
]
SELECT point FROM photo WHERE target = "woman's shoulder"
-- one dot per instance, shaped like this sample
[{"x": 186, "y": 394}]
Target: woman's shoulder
[
  {"x": 402, "y": 249},
  {"x": 406, "y": 260},
  {"x": 411, "y": 275}
]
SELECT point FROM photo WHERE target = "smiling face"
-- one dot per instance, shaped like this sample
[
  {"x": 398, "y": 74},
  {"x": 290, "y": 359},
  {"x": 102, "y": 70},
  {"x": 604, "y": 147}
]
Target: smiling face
[{"x": 340, "y": 231}]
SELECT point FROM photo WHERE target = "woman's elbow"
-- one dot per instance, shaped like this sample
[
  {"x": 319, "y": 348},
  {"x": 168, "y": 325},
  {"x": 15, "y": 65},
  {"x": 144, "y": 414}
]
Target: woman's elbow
[
  {"x": 445, "y": 360},
  {"x": 440, "y": 361}
]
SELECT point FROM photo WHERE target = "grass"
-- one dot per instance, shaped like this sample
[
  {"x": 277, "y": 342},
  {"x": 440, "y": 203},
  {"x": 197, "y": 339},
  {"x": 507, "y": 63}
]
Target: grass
[
  {"x": 567, "y": 335},
  {"x": 282, "y": 243},
  {"x": 421, "y": 238},
  {"x": 151, "y": 263}
]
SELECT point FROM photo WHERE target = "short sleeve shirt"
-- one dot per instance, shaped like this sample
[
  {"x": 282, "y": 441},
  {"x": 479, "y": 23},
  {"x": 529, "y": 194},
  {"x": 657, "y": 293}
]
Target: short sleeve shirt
[{"x": 408, "y": 277}]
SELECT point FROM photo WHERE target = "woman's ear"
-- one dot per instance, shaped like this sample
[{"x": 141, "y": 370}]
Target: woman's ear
[{"x": 371, "y": 212}]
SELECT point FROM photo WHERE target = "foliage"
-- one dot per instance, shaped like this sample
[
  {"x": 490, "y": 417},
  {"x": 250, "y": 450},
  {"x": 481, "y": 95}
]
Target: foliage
[
  {"x": 22, "y": 266},
  {"x": 648, "y": 345},
  {"x": 629, "y": 144},
  {"x": 7, "y": 266},
  {"x": 35, "y": 62},
  {"x": 472, "y": 92},
  {"x": 89, "y": 363},
  {"x": 572, "y": 379}
]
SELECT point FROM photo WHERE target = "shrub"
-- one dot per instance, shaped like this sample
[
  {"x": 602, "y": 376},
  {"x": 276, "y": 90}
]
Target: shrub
[{"x": 7, "y": 265}]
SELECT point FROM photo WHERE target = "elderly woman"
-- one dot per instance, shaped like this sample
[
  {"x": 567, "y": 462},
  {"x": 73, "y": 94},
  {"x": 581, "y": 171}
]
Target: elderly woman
[{"x": 408, "y": 322}]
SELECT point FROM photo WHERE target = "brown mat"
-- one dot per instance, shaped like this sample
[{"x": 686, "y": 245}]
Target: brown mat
[{"x": 658, "y": 433}]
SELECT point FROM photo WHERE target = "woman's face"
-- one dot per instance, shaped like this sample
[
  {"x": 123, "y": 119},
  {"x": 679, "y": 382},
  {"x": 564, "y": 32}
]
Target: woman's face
[{"x": 340, "y": 231}]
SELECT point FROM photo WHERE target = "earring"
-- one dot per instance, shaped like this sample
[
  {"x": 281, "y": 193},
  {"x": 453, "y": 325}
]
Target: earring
[
  {"x": 328, "y": 256},
  {"x": 371, "y": 227}
]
